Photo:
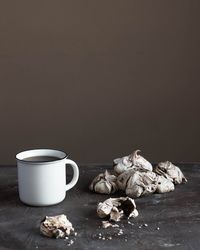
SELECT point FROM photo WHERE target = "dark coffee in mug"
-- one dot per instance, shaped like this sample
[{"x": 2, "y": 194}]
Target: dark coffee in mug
[{"x": 41, "y": 158}]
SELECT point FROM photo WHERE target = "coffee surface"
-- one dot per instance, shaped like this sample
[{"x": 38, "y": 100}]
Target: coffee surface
[{"x": 41, "y": 158}]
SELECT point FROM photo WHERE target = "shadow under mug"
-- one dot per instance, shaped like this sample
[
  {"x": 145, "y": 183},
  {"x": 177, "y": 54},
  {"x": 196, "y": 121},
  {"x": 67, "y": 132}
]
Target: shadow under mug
[{"x": 43, "y": 183}]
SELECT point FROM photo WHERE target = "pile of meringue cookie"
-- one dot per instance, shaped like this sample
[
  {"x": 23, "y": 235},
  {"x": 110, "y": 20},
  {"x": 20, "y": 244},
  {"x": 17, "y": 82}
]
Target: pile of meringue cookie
[{"x": 136, "y": 176}]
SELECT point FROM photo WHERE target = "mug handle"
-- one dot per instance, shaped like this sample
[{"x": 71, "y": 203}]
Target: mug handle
[{"x": 75, "y": 174}]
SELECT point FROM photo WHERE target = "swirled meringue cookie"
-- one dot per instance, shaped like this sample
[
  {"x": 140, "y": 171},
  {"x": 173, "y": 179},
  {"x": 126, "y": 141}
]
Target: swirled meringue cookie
[
  {"x": 137, "y": 183},
  {"x": 170, "y": 172},
  {"x": 104, "y": 183},
  {"x": 132, "y": 161}
]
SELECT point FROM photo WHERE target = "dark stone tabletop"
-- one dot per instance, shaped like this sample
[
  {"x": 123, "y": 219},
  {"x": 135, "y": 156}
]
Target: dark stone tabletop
[{"x": 173, "y": 219}]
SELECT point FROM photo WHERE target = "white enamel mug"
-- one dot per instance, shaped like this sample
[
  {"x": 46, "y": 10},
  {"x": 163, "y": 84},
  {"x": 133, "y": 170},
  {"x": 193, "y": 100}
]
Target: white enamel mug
[{"x": 43, "y": 183}]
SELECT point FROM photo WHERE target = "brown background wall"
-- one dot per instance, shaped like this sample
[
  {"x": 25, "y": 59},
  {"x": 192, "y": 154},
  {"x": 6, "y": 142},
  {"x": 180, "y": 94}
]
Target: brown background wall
[{"x": 100, "y": 78}]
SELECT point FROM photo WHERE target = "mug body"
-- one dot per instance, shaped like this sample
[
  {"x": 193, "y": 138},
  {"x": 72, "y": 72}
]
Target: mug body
[{"x": 41, "y": 183}]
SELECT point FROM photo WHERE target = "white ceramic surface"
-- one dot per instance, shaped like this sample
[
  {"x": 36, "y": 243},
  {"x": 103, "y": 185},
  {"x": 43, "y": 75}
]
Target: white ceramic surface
[{"x": 44, "y": 183}]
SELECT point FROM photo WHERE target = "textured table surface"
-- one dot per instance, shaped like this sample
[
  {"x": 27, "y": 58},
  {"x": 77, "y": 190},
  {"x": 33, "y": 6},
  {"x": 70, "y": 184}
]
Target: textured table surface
[{"x": 176, "y": 214}]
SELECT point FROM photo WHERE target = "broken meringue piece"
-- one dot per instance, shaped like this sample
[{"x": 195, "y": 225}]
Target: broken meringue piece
[
  {"x": 116, "y": 214},
  {"x": 104, "y": 183},
  {"x": 170, "y": 172},
  {"x": 132, "y": 161},
  {"x": 106, "y": 224},
  {"x": 104, "y": 208},
  {"x": 141, "y": 183},
  {"x": 116, "y": 208},
  {"x": 56, "y": 226}
]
